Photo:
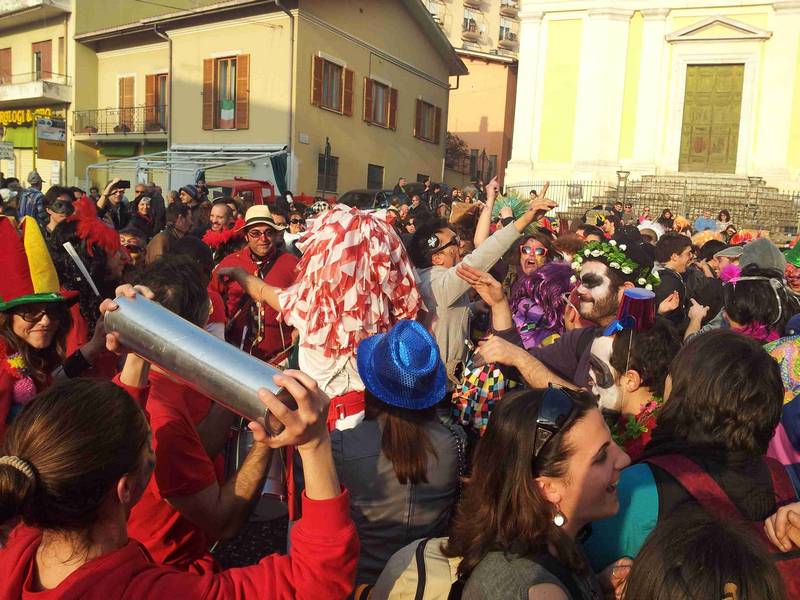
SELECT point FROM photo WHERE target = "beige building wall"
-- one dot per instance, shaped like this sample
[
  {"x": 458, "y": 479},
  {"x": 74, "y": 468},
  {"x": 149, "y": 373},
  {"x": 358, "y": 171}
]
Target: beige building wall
[
  {"x": 408, "y": 63},
  {"x": 136, "y": 62},
  {"x": 482, "y": 108},
  {"x": 266, "y": 39},
  {"x": 21, "y": 42}
]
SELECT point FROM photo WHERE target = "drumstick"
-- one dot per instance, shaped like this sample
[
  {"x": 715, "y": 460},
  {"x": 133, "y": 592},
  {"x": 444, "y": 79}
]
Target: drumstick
[
  {"x": 545, "y": 187},
  {"x": 82, "y": 267}
]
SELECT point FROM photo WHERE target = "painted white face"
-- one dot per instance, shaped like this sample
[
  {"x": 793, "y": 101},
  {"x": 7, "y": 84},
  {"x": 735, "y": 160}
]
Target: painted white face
[
  {"x": 603, "y": 377},
  {"x": 596, "y": 298}
]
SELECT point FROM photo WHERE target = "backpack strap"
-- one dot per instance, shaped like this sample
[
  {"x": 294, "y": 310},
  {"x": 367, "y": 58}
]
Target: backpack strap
[
  {"x": 698, "y": 483},
  {"x": 781, "y": 482},
  {"x": 420, "y": 556}
]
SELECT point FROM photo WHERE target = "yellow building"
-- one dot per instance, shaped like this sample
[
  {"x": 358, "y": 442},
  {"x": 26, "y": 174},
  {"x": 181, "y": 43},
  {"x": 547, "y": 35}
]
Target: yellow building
[
  {"x": 658, "y": 88},
  {"x": 485, "y": 35},
  {"x": 36, "y": 79},
  {"x": 255, "y": 76}
]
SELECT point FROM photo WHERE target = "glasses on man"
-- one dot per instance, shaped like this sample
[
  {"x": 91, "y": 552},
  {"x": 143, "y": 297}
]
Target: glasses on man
[
  {"x": 29, "y": 314},
  {"x": 537, "y": 250},
  {"x": 555, "y": 411},
  {"x": 254, "y": 234}
]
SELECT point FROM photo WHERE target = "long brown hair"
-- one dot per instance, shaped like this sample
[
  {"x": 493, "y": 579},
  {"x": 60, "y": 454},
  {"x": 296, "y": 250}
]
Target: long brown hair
[
  {"x": 40, "y": 363},
  {"x": 502, "y": 507},
  {"x": 79, "y": 437},
  {"x": 404, "y": 440}
]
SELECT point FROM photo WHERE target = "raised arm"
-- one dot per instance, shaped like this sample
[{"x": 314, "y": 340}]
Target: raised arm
[
  {"x": 252, "y": 285},
  {"x": 483, "y": 227}
]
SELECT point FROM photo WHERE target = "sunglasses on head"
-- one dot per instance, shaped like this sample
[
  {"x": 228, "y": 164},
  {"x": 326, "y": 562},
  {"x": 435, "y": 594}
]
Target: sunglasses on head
[
  {"x": 538, "y": 251},
  {"x": 29, "y": 314},
  {"x": 555, "y": 411}
]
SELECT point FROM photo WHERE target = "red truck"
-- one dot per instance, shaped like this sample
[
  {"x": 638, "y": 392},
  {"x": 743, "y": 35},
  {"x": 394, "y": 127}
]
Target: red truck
[{"x": 251, "y": 191}]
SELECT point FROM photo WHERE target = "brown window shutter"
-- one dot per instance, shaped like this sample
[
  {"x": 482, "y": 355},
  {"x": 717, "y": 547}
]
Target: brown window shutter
[
  {"x": 208, "y": 93},
  {"x": 347, "y": 100},
  {"x": 393, "y": 109},
  {"x": 367, "y": 99},
  {"x": 418, "y": 120},
  {"x": 149, "y": 99},
  {"x": 46, "y": 50},
  {"x": 437, "y": 126},
  {"x": 243, "y": 91},
  {"x": 316, "y": 81},
  {"x": 5, "y": 65}
]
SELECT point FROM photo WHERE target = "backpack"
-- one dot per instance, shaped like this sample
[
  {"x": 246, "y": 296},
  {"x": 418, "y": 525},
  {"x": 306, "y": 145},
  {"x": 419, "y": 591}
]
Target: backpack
[
  {"x": 707, "y": 492},
  {"x": 418, "y": 571}
]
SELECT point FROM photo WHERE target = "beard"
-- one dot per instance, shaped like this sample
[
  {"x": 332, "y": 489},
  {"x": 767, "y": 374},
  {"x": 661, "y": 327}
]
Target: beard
[{"x": 600, "y": 309}]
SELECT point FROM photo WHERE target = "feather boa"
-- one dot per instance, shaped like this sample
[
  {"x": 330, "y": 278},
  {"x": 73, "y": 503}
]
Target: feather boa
[
  {"x": 354, "y": 280},
  {"x": 215, "y": 239},
  {"x": 92, "y": 230},
  {"x": 730, "y": 273}
]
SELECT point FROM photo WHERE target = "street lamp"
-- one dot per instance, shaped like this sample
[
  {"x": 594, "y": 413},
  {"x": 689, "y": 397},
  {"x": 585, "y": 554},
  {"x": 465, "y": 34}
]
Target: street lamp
[{"x": 622, "y": 179}]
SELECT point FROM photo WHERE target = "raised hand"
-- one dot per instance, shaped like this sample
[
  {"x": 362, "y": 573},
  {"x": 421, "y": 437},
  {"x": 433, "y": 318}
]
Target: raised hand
[
  {"x": 489, "y": 289},
  {"x": 108, "y": 305}
]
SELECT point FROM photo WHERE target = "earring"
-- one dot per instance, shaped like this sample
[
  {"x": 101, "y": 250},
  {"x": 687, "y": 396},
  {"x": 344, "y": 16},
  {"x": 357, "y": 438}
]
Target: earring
[{"x": 559, "y": 519}]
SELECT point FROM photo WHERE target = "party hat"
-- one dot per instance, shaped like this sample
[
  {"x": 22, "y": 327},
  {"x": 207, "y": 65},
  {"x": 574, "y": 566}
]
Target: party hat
[
  {"x": 28, "y": 274},
  {"x": 637, "y": 311}
]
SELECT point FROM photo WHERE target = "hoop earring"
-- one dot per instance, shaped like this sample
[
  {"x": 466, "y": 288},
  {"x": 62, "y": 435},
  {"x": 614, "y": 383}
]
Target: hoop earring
[{"x": 559, "y": 519}]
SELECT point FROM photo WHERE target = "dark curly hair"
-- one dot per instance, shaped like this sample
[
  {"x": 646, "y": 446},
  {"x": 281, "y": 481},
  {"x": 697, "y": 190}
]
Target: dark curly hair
[
  {"x": 71, "y": 278},
  {"x": 649, "y": 353}
]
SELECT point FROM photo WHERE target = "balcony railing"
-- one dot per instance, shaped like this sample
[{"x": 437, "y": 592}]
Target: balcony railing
[
  {"x": 509, "y": 8},
  {"x": 122, "y": 121},
  {"x": 470, "y": 31},
  {"x": 476, "y": 4},
  {"x": 20, "y": 78},
  {"x": 508, "y": 40}
]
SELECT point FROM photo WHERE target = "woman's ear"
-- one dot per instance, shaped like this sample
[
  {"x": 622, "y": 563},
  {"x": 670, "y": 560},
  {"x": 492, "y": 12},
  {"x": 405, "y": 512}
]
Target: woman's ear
[
  {"x": 550, "y": 488},
  {"x": 125, "y": 487}
]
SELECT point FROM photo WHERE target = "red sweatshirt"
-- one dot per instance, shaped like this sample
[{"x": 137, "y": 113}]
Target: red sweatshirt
[
  {"x": 321, "y": 565},
  {"x": 281, "y": 275}
]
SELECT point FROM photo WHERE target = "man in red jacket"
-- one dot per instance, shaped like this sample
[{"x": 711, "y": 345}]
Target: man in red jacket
[{"x": 253, "y": 326}]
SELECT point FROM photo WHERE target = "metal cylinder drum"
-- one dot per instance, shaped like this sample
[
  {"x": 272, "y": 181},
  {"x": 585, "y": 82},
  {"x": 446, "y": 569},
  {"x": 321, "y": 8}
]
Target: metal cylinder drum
[{"x": 206, "y": 363}]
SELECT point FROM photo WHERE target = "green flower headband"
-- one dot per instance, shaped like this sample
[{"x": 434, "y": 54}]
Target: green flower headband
[{"x": 614, "y": 256}]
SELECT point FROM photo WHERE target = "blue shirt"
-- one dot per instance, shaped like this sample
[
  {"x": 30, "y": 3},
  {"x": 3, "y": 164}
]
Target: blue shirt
[{"x": 703, "y": 224}]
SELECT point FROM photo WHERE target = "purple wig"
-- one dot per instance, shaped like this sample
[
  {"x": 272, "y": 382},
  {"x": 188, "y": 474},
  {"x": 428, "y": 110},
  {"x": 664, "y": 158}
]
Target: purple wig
[{"x": 537, "y": 305}]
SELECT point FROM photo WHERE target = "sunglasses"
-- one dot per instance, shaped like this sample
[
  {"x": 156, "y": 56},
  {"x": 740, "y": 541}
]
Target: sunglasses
[
  {"x": 254, "y": 234},
  {"x": 433, "y": 240},
  {"x": 62, "y": 207},
  {"x": 538, "y": 251},
  {"x": 55, "y": 312},
  {"x": 297, "y": 221},
  {"x": 555, "y": 412}
]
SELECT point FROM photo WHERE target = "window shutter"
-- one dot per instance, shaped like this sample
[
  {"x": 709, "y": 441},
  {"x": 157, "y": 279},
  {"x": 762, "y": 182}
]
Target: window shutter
[
  {"x": 149, "y": 99},
  {"x": 393, "y": 109},
  {"x": 316, "y": 81},
  {"x": 367, "y": 99},
  {"x": 437, "y": 126},
  {"x": 418, "y": 120},
  {"x": 243, "y": 91},
  {"x": 347, "y": 99},
  {"x": 208, "y": 93},
  {"x": 5, "y": 65}
]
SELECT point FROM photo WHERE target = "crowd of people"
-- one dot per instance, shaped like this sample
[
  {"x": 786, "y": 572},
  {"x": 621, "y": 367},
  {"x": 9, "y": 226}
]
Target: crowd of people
[{"x": 486, "y": 403}]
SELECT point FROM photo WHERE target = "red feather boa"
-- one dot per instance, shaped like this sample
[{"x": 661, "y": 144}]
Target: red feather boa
[
  {"x": 215, "y": 239},
  {"x": 92, "y": 230}
]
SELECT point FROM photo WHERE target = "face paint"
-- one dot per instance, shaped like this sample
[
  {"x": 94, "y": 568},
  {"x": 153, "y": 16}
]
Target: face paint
[
  {"x": 603, "y": 377},
  {"x": 597, "y": 299}
]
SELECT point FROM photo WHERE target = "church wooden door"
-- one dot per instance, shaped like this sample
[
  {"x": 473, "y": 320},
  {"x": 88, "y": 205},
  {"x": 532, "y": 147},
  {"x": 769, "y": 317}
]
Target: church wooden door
[{"x": 711, "y": 111}]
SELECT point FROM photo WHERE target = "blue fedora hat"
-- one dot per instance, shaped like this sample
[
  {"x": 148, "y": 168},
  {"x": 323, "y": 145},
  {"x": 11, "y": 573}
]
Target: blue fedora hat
[{"x": 403, "y": 367}]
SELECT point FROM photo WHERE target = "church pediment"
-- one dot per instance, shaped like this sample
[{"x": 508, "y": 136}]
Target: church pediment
[{"x": 718, "y": 29}]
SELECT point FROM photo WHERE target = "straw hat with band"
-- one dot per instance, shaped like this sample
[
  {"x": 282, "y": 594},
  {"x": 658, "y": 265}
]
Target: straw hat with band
[
  {"x": 28, "y": 273},
  {"x": 259, "y": 214}
]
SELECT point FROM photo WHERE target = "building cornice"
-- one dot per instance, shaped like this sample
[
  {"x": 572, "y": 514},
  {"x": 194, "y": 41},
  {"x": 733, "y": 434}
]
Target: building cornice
[{"x": 610, "y": 13}]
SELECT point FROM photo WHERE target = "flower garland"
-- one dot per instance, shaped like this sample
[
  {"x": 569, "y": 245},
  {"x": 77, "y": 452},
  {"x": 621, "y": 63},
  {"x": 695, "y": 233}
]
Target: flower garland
[
  {"x": 615, "y": 257},
  {"x": 632, "y": 428}
]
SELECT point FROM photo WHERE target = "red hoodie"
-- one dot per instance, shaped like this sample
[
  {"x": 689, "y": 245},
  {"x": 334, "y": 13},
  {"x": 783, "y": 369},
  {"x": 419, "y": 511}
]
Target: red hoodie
[{"x": 322, "y": 564}]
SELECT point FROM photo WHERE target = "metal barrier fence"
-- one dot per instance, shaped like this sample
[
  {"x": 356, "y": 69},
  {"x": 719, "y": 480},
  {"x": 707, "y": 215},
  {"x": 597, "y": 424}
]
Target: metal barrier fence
[{"x": 751, "y": 203}]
